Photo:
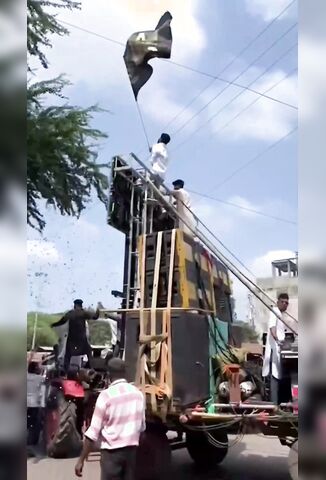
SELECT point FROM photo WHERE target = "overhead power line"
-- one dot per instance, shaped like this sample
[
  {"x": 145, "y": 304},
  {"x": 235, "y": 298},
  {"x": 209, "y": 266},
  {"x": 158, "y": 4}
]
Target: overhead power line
[
  {"x": 90, "y": 32},
  {"x": 235, "y": 84},
  {"x": 255, "y": 158},
  {"x": 229, "y": 64},
  {"x": 256, "y": 100},
  {"x": 241, "y": 207},
  {"x": 187, "y": 67},
  {"x": 185, "y": 141},
  {"x": 236, "y": 78}
]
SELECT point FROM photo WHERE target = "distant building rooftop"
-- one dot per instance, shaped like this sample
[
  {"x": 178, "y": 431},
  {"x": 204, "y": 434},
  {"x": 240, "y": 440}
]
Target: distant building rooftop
[{"x": 288, "y": 266}]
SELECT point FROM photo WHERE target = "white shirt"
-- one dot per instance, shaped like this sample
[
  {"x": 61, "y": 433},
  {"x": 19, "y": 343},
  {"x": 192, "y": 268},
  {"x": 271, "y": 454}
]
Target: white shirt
[
  {"x": 35, "y": 390},
  {"x": 272, "y": 350},
  {"x": 159, "y": 159},
  {"x": 183, "y": 205}
]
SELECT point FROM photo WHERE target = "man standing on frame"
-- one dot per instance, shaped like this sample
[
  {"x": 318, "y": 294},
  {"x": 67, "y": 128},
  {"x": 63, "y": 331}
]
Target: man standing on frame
[
  {"x": 160, "y": 158},
  {"x": 275, "y": 337},
  {"x": 118, "y": 420},
  {"x": 77, "y": 343}
]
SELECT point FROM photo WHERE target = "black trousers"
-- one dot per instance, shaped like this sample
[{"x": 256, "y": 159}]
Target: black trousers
[
  {"x": 72, "y": 350},
  {"x": 118, "y": 464}
]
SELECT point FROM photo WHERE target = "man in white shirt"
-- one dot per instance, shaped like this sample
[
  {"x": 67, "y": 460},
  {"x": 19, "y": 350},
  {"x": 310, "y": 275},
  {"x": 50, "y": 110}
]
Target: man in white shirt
[
  {"x": 275, "y": 337},
  {"x": 183, "y": 206},
  {"x": 160, "y": 158}
]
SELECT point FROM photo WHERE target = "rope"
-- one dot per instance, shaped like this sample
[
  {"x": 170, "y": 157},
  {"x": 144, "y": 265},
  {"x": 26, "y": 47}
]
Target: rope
[{"x": 143, "y": 125}]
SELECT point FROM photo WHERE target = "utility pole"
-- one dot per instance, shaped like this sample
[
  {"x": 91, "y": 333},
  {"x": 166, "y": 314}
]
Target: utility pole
[
  {"x": 34, "y": 331},
  {"x": 251, "y": 314}
]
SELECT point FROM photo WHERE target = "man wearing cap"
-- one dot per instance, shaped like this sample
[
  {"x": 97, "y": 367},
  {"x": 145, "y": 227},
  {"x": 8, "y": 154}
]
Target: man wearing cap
[
  {"x": 77, "y": 340},
  {"x": 183, "y": 206},
  {"x": 160, "y": 158},
  {"x": 117, "y": 422}
]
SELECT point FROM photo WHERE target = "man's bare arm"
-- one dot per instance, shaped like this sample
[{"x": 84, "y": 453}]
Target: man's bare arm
[{"x": 87, "y": 448}]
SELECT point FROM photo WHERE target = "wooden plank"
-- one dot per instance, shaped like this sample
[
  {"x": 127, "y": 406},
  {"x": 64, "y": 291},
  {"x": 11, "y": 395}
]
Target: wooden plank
[
  {"x": 158, "y": 309},
  {"x": 168, "y": 376},
  {"x": 141, "y": 358},
  {"x": 153, "y": 310},
  {"x": 182, "y": 266},
  {"x": 163, "y": 366}
]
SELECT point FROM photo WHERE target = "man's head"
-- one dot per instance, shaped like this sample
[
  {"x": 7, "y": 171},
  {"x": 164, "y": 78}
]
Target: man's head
[
  {"x": 283, "y": 301},
  {"x": 78, "y": 304},
  {"x": 178, "y": 184},
  {"x": 164, "y": 138},
  {"x": 117, "y": 369}
]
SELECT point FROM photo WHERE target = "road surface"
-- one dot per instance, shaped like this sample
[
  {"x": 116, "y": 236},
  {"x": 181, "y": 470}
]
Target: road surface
[{"x": 254, "y": 458}]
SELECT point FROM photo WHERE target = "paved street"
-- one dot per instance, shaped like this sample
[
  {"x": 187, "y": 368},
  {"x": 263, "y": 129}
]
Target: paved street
[{"x": 254, "y": 458}]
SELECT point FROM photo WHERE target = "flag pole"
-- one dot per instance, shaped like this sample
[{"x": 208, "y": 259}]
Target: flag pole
[{"x": 34, "y": 331}]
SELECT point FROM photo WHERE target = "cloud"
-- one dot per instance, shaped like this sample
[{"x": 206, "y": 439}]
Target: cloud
[
  {"x": 268, "y": 9},
  {"x": 87, "y": 228},
  {"x": 245, "y": 204},
  {"x": 42, "y": 251},
  {"x": 99, "y": 63},
  {"x": 265, "y": 120},
  {"x": 214, "y": 217},
  {"x": 161, "y": 107},
  {"x": 261, "y": 266}
]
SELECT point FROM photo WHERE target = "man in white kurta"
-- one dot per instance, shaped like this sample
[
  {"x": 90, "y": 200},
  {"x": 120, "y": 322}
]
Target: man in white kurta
[
  {"x": 160, "y": 158},
  {"x": 275, "y": 337},
  {"x": 183, "y": 206}
]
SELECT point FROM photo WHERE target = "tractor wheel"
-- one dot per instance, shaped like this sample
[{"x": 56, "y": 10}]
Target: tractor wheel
[
  {"x": 61, "y": 435},
  {"x": 293, "y": 461},
  {"x": 153, "y": 456},
  {"x": 201, "y": 449}
]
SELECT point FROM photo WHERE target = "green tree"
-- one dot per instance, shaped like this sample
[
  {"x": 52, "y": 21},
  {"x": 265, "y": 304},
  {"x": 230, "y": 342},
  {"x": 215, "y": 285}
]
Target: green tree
[
  {"x": 248, "y": 333},
  {"x": 45, "y": 336},
  {"x": 61, "y": 144},
  {"x": 100, "y": 333}
]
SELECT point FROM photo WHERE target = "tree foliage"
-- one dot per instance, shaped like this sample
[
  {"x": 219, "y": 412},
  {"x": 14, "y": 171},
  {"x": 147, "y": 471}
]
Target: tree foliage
[
  {"x": 61, "y": 144},
  {"x": 41, "y": 24},
  {"x": 45, "y": 336},
  {"x": 99, "y": 332},
  {"x": 248, "y": 332}
]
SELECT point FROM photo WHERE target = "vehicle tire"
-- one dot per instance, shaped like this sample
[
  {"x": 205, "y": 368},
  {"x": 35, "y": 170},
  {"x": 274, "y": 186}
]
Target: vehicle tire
[
  {"x": 202, "y": 451},
  {"x": 153, "y": 456},
  {"x": 60, "y": 432},
  {"x": 293, "y": 461}
]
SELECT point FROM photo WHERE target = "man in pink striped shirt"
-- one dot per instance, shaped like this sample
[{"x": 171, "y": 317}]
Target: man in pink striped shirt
[{"x": 117, "y": 422}]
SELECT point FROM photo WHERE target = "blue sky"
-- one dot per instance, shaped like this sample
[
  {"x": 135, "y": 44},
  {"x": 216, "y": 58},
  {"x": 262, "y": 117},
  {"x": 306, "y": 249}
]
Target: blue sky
[{"x": 84, "y": 257}]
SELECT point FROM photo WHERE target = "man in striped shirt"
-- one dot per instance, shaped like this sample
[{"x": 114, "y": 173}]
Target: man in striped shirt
[{"x": 117, "y": 422}]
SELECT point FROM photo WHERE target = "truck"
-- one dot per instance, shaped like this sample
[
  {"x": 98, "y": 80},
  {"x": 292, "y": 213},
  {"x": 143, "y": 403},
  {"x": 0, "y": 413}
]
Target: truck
[{"x": 178, "y": 340}]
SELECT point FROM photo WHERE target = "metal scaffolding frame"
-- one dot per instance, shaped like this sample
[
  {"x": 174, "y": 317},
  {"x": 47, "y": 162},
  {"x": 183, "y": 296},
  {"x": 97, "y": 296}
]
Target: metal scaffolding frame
[{"x": 142, "y": 178}]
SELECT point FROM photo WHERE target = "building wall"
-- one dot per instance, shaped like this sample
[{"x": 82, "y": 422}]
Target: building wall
[{"x": 273, "y": 286}]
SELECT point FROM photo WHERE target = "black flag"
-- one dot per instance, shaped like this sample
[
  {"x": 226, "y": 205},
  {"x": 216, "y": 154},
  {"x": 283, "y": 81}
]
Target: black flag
[{"x": 142, "y": 46}]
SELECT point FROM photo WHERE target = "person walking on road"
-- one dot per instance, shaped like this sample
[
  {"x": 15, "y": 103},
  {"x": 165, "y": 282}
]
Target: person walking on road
[
  {"x": 275, "y": 337},
  {"x": 117, "y": 422}
]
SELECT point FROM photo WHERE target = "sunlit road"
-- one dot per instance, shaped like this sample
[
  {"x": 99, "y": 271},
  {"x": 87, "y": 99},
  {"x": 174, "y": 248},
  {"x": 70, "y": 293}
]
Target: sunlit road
[{"x": 255, "y": 458}]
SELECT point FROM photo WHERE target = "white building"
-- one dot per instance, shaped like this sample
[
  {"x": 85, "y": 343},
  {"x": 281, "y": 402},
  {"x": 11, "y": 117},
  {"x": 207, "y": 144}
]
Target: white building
[{"x": 284, "y": 279}]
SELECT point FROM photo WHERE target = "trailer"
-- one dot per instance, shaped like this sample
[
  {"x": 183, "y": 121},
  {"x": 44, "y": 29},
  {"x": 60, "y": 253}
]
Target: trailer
[
  {"x": 177, "y": 330},
  {"x": 177, "y": 338}
]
